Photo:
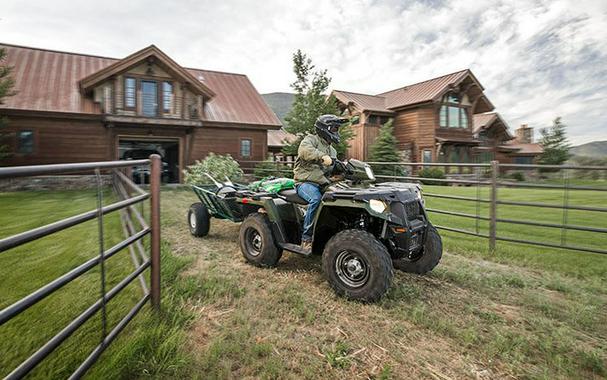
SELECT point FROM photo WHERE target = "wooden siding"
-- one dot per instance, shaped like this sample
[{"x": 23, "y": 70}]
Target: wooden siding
[
  {"x": 364, "y": 138},
  {"x": 58, "y": 141},
  {"x": 406, "y": 130},
  {"x": 227, "y": 141}
]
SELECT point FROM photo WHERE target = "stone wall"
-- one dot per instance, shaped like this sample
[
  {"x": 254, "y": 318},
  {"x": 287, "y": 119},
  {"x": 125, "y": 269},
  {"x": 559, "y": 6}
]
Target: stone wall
[{"x": 56, "y": 182}]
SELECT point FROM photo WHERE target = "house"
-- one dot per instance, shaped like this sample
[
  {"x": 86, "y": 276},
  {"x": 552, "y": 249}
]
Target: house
[
  {"x": 445, "y": 119},
  {"x": 524, "y": 149},
  {"x": 73, "y": 107}
]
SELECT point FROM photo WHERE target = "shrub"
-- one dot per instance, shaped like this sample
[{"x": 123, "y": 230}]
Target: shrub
[
  {"x": 270, "y": 168},
  {"x": 431, "y": 173},
  {"x": 217, "y": 166},
  {"x": 518, "y": 176}
]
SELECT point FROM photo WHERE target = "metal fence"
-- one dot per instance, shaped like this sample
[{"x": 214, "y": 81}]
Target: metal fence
[
  {"x": 489, "y": 176},
  {"x": 130, "y": 218}
]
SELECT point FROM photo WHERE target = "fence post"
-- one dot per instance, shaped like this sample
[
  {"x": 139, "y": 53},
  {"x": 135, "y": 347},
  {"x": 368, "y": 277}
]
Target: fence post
[
  {"x": 155, "y": 224},
  {"x": 493, "y": 206}
]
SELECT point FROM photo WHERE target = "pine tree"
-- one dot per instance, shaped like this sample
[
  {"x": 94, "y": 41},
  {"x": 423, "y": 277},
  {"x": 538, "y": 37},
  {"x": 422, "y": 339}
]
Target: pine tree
[
  {"x": 6, "y": 89},
  {"x": 555, "y": 144},
  {"x": 384, "y": 149},
  {"x": 310, "y": 102}
]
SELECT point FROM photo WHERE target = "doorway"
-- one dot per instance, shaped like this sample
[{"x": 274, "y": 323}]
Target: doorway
[{"x": 138, "y": 149}]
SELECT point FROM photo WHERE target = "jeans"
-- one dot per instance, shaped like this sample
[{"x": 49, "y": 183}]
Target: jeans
[{"x": 311, "y": 193}]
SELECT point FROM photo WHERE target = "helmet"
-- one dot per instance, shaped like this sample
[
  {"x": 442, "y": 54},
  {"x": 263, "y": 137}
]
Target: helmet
[{"x": 327, "y": 127}]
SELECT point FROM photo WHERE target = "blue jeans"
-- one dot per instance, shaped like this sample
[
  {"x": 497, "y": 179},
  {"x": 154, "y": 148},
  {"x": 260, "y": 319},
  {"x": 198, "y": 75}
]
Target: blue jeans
[{"x": 311, "y": 193}]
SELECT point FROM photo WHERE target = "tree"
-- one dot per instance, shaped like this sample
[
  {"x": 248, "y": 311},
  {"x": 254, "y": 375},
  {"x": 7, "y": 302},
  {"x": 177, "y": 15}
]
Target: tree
[
  {"x": 384, "y": 149},
  {"x": 555, "y": 144},
  {"x": 310, "y": 102},
  {"x": 7, "y": 84}
]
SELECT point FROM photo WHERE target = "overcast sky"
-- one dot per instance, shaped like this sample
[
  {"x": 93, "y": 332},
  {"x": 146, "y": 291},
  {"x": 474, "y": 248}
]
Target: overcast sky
[{"x": 536, "y": 59}]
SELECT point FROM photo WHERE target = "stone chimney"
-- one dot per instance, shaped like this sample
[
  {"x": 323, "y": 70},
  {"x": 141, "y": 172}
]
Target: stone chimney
[{"x": 524, "y": 134}]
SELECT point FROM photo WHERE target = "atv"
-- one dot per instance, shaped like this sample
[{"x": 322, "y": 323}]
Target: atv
[{"x": 362, "y": 230}]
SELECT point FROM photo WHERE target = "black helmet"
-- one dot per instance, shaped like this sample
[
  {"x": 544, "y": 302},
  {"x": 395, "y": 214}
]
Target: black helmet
[{"x": 327, "y": 127}]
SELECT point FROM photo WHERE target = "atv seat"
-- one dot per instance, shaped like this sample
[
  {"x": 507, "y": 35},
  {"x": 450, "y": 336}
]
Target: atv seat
[{"x": 292, "y": 196}]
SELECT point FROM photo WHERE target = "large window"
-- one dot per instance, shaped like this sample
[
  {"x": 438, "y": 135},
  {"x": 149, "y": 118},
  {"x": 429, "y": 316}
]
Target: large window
[
  {"x": 245, "y": 148},
  {"x": 25, "y": 142},
  {"x": 130, "y": 93},
  {"x": 149, "y": 98},
  {"x": 452, "y": 113},
  {"x": 167, "y": 96}
]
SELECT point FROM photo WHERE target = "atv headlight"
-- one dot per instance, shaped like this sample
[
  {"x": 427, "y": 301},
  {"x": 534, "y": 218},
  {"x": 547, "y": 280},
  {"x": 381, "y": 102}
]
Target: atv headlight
[
  {"x": 377, "y": 206},
  {"x": 369, "y": 173}
]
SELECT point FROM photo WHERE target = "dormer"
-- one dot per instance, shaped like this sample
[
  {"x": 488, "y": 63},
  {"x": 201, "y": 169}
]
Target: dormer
[{"x": 147, "y": 84}]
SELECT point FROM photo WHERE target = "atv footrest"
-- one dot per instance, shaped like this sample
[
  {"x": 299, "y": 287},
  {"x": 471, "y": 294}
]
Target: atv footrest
[{"x": 295, "y": 249}]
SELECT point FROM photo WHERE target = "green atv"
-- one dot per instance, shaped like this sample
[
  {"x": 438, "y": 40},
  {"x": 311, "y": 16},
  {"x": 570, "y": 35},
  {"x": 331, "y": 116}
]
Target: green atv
[{"x": 362, "y": 230}]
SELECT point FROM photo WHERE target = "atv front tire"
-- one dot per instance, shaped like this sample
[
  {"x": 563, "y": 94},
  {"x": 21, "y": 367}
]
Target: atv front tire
[
  {"x": 199, "y": 220},
  {"x": 431, "y": 255},
  {"x": 357, "y": 266},
  {"x": 257, "y": 242}
]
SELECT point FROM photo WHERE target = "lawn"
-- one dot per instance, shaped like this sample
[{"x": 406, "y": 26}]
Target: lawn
[{"x": 520, "y": 312}]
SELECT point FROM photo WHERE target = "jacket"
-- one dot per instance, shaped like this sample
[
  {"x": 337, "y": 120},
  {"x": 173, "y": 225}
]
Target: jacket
[{"x": 308, "y": 165}]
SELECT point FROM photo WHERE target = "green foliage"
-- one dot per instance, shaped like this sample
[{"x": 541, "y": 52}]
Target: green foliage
[
  {"x": 555, "y": 144},
  {"x": 271, "y": 168},
  {"x": 431, "y": 173},
  {"x": 310, "y": 102},
  {"x": 384, "y": 149},
  {"x": 217, "y": 166},
  {"x": 337, "y": 355},
  {"x": 6, "y": 89},
  {"x": 518, "y": 176}
]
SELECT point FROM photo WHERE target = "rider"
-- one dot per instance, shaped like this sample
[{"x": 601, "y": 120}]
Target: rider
[{"x": 314, "y": 156}]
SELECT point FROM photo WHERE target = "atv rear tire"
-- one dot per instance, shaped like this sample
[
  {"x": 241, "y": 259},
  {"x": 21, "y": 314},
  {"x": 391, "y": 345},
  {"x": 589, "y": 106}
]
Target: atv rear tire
[
  {"x": 357, "y": 266},
  {"x": 431, "y": 255},
  {"x": 199, "y": 220},
  {"x": 257, "y": 242}
]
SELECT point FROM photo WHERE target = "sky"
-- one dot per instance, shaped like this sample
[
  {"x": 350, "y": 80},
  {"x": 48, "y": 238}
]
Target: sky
[{"x": 536, "y": 59}]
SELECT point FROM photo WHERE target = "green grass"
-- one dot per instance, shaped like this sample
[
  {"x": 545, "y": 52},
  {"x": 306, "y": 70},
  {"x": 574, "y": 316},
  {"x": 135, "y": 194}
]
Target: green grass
[
  {"x": 562, "y": 260},
  {"x": 151, "y": 344},
  {"x": 521, "y": 312}
]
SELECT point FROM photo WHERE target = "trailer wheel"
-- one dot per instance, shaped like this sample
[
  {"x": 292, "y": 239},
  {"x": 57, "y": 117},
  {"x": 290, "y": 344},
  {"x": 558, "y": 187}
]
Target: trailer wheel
[
  {"x": 430, "y": 257},
  {"x": 257, "y": 242},
  {"x": 199, "y": 220},
  {"x": 357, "y": 266}
]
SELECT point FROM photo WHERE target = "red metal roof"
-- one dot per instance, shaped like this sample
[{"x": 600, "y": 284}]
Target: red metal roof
[
  {"x": 279, "y": 136},
  {"x": 412, "y": 94},
  {"x": 423, "y": 91},
  {"x": 531, "y": 149},
  {"x": 48, "y": 81},
  {"x": 362, "y": 101}
]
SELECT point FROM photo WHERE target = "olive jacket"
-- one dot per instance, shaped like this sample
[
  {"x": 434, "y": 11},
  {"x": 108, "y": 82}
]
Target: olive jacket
[{"x": 308, "y": 165}]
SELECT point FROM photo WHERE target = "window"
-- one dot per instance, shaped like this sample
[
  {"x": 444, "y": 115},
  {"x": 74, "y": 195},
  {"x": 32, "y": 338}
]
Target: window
[
  {"x": 167, "y": 96},
  {"x": 25, "y": 142},
  {"x": 523, "y": 160},
  {"x": 245, "y": 148},
  {"x": 452, "y": 113},
  {"x": 149, "y": 98},
  {"x": 427, "y": 155},
  {"x": 130, "y": 92}
]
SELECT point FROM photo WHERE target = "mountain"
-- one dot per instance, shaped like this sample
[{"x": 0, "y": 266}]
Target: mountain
[
  {"x": 280, "y": 103},
  {"x": 596, "y": 149}
]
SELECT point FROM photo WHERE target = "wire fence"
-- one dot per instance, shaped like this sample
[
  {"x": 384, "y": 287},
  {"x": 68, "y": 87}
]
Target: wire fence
[{"x": 490, "y": 178}]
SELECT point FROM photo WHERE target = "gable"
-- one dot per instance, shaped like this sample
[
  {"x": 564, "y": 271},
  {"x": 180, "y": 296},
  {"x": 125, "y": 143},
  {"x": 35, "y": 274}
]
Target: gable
[{"x": 150, "y": 56}]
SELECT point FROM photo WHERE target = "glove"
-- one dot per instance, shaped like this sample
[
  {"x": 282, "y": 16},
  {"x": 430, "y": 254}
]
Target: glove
[{"x": 326, "y": 160}]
